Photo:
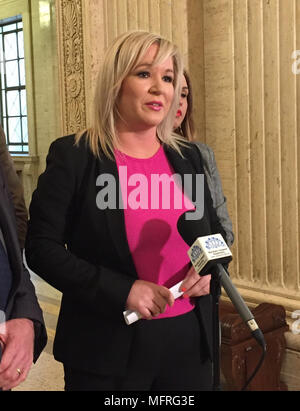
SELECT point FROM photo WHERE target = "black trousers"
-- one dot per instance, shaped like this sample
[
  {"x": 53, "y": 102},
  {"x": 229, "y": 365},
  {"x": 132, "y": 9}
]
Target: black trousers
[{"x": 166, "y": 355}]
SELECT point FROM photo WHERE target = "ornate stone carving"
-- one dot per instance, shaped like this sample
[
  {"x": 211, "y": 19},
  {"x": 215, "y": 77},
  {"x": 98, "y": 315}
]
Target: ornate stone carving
[{"x": 73, "y": 65}]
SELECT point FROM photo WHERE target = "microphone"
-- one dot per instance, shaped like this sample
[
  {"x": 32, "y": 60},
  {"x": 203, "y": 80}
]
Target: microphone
[{"x": 209, "y": 253}]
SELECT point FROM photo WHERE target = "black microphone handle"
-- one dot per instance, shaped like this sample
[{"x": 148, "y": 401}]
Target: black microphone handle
[
  {"x": 241, "y": 306},
  {"x": 234, "y": 295}
]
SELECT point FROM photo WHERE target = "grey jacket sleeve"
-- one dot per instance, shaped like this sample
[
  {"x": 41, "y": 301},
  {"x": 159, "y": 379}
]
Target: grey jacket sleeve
[{"x": 215, "y": 186}]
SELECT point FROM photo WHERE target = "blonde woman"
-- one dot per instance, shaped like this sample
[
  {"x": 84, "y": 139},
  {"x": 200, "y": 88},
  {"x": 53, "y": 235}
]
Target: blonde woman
[{"x": 98, "y": 234}]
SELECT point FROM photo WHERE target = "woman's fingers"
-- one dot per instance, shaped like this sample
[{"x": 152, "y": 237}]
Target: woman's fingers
[
  {"x": 167, "y": 296},
  {"x": 148, "y": 299},
  {"x": 190, "y": 280},
  {"x": 195, "y": 285}
]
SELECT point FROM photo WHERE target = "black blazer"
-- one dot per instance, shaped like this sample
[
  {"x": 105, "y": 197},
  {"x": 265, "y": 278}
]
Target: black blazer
[
  {"x": 83, "y": 252},
  {"x": 22, "y": 301}
]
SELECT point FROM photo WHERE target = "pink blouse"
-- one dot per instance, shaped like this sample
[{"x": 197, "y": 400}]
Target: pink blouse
[{"x": 152, "y": 205}]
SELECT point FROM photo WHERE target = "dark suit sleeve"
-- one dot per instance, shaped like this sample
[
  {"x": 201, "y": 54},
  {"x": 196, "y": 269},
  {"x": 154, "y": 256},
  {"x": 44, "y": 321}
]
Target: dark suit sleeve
[
  {"x": 97, "y": 287},
  {"x": 15, "y": 189},
  {"x": 26, "y": 306},
  {"x": 22, "y": 302}
]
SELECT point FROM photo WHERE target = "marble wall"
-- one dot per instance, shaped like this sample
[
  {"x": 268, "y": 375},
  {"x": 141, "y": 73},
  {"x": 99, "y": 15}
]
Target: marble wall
[{"x": 252, "y": 122}]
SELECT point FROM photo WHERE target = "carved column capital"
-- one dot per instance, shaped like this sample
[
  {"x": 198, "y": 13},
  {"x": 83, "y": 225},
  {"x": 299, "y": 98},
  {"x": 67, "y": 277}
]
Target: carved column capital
[{"x": 71, "y": 64}]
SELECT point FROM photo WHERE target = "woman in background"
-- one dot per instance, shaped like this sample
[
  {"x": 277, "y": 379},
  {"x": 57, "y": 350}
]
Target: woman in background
[{"x": 184, "y": 126}]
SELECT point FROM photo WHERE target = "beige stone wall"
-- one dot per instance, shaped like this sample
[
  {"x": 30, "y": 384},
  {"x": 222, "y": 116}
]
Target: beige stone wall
[{"x": 252, "y": 121}]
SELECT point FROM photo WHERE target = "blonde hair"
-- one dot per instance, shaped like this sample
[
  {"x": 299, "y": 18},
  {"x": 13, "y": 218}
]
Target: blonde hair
[{"x": 121, "y": 58}]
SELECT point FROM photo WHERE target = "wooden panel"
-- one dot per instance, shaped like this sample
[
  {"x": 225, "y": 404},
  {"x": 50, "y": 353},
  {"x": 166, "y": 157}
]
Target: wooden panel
[
  {"x": 272, "y": 142},
  {"x": 122, "y": 18},
  {"x": 265, "y": 118},
  {"x": 297, "y": 47},
  {"x": 111, "y": 21},
  {"x": 195, "y": 63},
  {"x": 166, "y": 23},
  {"x": 179, "y": 26},
  {"x": 132, "y": 12},
  {"x": 154, "y": 16},
  {"x": 218, "y": 74},
  {"x": 288, "y": 144},
  {"x": 241, "y": 117},
  {"x": 257, "y": 140},
  {"x": 143, "y": 14}
]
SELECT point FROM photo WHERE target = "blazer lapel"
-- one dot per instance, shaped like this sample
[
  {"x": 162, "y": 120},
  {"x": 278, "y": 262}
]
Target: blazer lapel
[
  {"x": 184, "y": 168},
  {"x": 116, "y": 220},
  {"x": 189, "y": 166}
]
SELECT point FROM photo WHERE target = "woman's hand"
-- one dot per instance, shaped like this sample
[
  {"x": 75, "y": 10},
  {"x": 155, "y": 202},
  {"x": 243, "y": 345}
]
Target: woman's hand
[
  {"x": 149, "y": 299},
  {"x": 194, "y": 285}
]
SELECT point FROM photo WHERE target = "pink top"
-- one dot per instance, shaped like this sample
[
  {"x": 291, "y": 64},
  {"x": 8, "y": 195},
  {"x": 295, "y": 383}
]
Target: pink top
[{"x": 151, "y": 212}]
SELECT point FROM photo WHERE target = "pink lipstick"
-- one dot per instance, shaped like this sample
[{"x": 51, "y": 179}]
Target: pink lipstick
[{"x": 155, "y": 105}]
